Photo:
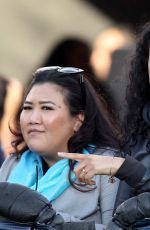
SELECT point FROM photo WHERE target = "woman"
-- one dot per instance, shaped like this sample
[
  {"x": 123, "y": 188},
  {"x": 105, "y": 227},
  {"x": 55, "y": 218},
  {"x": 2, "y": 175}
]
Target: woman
[
  {"x": 138, "y": 127},
  {"x": 138, "y": 117},
  {"x": 62, "y": 113}
]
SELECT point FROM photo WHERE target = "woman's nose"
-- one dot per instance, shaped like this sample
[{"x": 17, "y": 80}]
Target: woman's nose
[{"x": 35, "y": 117}]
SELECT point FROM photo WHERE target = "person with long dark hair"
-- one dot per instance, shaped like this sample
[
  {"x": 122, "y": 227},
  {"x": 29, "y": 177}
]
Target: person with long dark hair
[
  {"x": 137, "y": 128},
  {"x": 63, "y": 113}
]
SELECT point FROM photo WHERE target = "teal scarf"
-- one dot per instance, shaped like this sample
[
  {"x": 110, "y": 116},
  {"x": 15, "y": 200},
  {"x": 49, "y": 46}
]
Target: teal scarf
[{"x": 51, "y": 185}]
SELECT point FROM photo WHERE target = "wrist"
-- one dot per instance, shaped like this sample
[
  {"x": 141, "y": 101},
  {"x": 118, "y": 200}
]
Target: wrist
[{"x": 116, "y": 164}]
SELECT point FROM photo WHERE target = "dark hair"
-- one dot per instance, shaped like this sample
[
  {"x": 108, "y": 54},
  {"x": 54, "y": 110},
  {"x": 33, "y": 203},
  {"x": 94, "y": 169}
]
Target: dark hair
[
  {"x": 3, "y": 89},
  {"x": 138, "y": 91},
  {"x": 98, "y": 127}
]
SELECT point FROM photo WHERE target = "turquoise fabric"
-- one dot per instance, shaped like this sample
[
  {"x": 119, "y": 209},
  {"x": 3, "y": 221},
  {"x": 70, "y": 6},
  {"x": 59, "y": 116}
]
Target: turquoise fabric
[{"x": 52, "y": 184}]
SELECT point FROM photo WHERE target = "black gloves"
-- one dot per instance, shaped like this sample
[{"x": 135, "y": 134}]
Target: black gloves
[
  {"x": 132, "y": 210},
  {"x": 21, "y": 206}
]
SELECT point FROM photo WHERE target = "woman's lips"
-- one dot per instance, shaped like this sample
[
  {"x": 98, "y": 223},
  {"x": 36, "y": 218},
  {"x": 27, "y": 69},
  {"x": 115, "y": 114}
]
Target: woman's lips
[{"x": 35, "y": 131}]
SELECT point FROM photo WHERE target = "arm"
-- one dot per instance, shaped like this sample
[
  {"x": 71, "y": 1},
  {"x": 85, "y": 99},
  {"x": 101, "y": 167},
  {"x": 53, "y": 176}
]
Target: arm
[
  {"x": 138, "y": 177},
  {"x": 91, "y": 165}
]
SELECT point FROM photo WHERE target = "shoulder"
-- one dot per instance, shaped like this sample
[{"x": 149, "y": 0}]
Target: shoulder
[
  {"x": 7, "y": 166},
  {"x": 10, "y": 159}
]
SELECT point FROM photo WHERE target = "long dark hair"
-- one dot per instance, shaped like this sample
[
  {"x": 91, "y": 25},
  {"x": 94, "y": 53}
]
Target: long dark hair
[
  {"x": 98, "y": 128},
  {"x": 138, "y": 91},
  {"x": 3, "y": 89}
]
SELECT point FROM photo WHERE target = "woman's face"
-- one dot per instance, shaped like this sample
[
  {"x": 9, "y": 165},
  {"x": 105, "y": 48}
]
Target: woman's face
[{"x": 46, "y": 122}]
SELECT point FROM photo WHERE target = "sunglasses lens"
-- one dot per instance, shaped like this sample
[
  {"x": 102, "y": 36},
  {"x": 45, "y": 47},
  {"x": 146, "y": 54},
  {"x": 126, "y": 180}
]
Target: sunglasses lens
[
  {"x": 61, "y": 69},
  {"x": 70, "y": 70},
  {"x": 47, "y": 68}
]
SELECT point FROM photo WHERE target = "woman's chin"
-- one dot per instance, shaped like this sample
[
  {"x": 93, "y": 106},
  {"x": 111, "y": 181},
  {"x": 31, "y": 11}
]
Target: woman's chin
[{"x": 36, "y": 149}]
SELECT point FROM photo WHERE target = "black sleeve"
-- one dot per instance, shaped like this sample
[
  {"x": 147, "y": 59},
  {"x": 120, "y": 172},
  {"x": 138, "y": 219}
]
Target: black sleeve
[{"x": 131, "y": 171}]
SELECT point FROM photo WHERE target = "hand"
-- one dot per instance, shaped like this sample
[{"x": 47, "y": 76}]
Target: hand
[{"x": 91, "y": 165}]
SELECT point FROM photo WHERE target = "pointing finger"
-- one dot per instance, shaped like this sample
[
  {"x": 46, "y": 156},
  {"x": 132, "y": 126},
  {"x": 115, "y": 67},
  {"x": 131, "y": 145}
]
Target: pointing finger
[{"x": 72, "y": 156}]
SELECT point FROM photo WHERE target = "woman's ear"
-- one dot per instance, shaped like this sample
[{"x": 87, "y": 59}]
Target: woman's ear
[{"x": 79, "y": 121}]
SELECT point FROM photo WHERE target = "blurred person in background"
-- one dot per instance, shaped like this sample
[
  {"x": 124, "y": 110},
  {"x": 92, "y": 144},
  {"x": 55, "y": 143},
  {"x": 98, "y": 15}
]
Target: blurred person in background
[
  {"x": 74, "y": 51},
  {"x": 71, "y": 51},
  {"x": 10, "y": 100},
  {"x": 108, "y": 59}
]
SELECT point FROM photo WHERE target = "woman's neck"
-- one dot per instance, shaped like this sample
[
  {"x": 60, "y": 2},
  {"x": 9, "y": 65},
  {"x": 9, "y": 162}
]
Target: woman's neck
[{"x": 50, "y": 161}]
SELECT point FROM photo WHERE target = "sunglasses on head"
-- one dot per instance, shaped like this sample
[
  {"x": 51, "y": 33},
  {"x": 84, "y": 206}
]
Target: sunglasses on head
[{"x": 68, "y": 70}]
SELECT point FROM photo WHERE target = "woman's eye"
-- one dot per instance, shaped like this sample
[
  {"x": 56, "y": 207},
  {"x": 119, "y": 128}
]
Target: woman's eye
[
  {"x": 26, "y": 107},
  {"x": 47, "y": 108}
]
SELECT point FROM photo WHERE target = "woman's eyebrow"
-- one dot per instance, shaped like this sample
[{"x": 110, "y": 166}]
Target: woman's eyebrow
[
  {"x": 28, "y": 102},
  {"x": 49, "y": 102},
  {"x": 43, "y": 102}
]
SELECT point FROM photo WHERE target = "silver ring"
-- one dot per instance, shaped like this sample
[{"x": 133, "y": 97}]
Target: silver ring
[{"x": 83, "y": 170}]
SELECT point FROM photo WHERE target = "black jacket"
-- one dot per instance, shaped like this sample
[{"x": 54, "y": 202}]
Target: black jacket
[
  {"x": 135, "y": 174},
  {"x": 134, "y": 188}
]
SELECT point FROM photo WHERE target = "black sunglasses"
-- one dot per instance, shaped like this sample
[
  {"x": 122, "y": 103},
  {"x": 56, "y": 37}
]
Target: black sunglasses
[{"x": 68, "y": 70}]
